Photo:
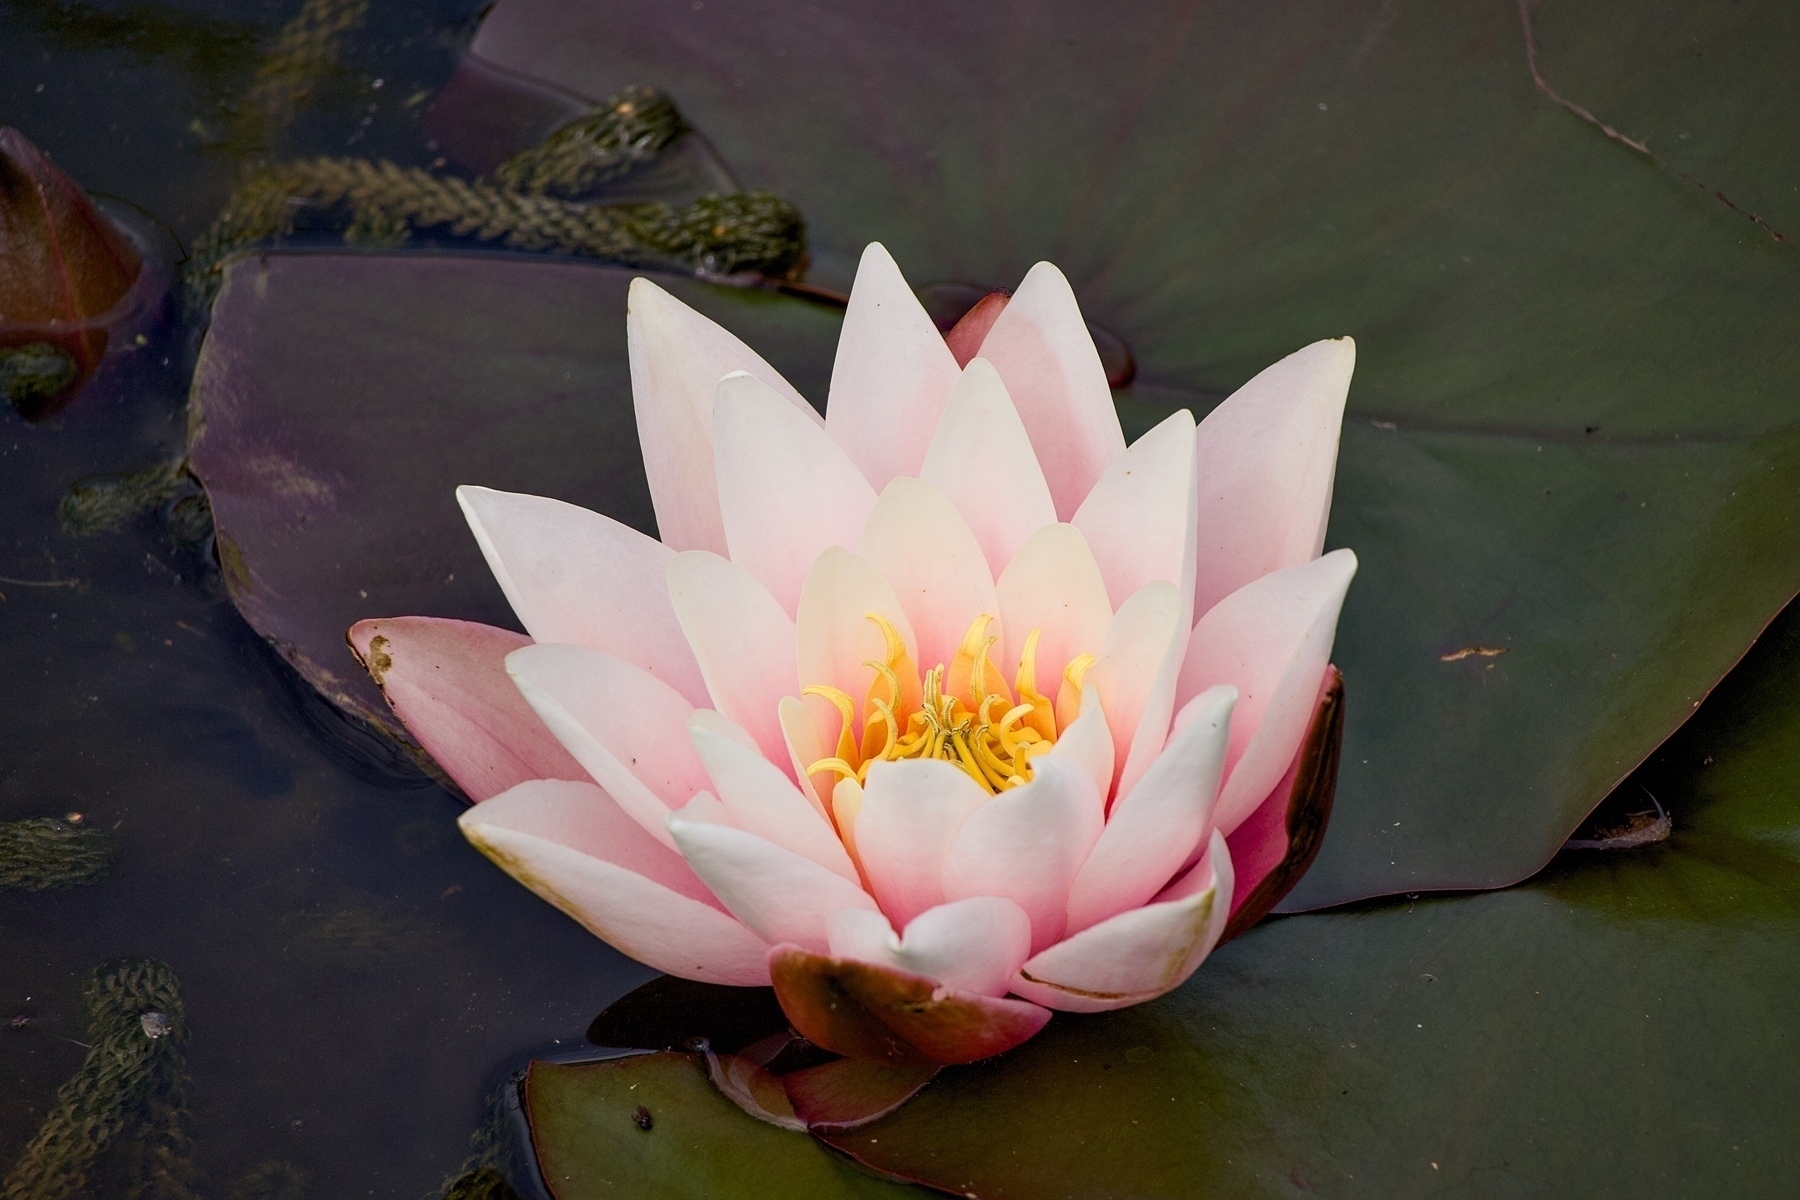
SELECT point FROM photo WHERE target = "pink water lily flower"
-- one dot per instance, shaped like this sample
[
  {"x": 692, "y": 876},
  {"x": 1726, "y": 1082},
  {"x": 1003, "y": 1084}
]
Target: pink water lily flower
[{"x": 938, "y": 712}]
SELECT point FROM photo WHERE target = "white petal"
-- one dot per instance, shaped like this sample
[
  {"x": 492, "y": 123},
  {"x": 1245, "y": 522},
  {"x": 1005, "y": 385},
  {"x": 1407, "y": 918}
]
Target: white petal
[
  {"x": 626, "y": 728},
  {"x": 892, "y": 376},
  {"x": 1270, "y": 639},
  {"x": 677, "y": 359},
  {"x": 981, "y": 458},
  {"x": 1136, "y": 676},
  {"x": 1158, "y": 824},
  {"x": 569, "y": 843},
  {"x": 806, "y": 747},
  {"x": 743, "y": 640},
  {"x": 577, "y": 577},
  {"x": 1042, "y": 349},
  {"x": 760, "y": 797},
  {"x": 1267, "y": 456},
  {"x": 911, "y": 811},
  {"x": 785, "y": 489},
  {"x": 1139, "y": 954},
  {"x": 780, "y": 895},
  {"x": 836, "y": 637},
  {"x": 1026, "y": 845},
  {"x": 920, "y": 542},
  {"x": 1139, "y": 519},
  {"x": 1054, "y": 586},
  {"x": 974, "y": 945},
  {"x": 1088, "y": 742}
]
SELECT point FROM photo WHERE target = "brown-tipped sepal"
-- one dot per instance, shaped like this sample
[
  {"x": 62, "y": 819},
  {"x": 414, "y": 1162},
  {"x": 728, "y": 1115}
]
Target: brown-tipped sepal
[{"x": 862, "y": 1010}]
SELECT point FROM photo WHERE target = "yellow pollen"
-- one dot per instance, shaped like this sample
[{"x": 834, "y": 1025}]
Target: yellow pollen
[{"x": 961, "y": 712}]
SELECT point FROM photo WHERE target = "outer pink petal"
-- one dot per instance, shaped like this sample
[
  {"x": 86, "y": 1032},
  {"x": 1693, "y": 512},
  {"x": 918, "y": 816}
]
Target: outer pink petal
[
  {"x": 677, "y": 359},
  {"x": 785, "y": 489},
  {"x": 1139, "y": 954},
  {"x": 625, "y": 726},
  {"x": 1267, "y": 456},
  {"x": 761, "y": 798},
  {"x": 892, "y": 376},
  {"x": 1139, "y": 519},
  {"x": 1155, "y": 827},
  {"x": 446, "y": 680},
  {"x": 911, "y": 812},
  {"x": 1053, "y": 585},
  {"x": 981, "y": 458},
  {"x": 973, "y": 945},
  {"x": 836, "y": 637},
  {"x": 1026, "y": 845},
  {"x": 924, "y": 547},
  {"x": 1042, "y": 349},
  {"x": 569, "y": 843},
  {"x": 781, "y": 895},
  {"x": 743, "y": 640},
  {"x": 577, "y": 577},
  {"x": 1136, "y": 676},
  {"x": 1271, "y": 639}
]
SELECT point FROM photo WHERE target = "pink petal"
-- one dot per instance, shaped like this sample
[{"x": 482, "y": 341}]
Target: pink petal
[
  {"x": 743, "y": 640},
  {"x": 578, "y": 577},
  {"x": 1139, "y": 519},
  {"x": 981, "y": 458},
  {"x": 1136, "y": 675},
  {"x": 447, "y": 682},
  {"x": 892, "y": 376},
  {"x": 836, "y": 637},
  {"x": 1141, "y": 953},
  {"x": 1053, "y": 585},
  {"x": 972, "y": 945},
  {"x": 1271, "y": 639},
  {"x": 569, "y": 843},
  {"x": 1155, "y": 826},
  {"x": 761, "y": 798},
  {"x": 920, "y": 542},
  {"x": 624, "y": 725},
  {"x": 911, "y": 812},
  {"x": 781, "y": 895},
  {"x": 1041, "y": 347},
  {"x": 785, "y": 489},
  {"x": 1026, "y": 845},
  {"x": 1267, "y": 456},
  {"x": 677, "y": 359}
]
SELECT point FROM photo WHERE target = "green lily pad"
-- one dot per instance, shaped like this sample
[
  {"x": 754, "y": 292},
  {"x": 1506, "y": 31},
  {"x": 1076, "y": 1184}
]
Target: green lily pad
[
  {"x": 1571, "y": 433},
  {"x": 651, "y": 1126},
  {"x": 1623, "y": 1025}
]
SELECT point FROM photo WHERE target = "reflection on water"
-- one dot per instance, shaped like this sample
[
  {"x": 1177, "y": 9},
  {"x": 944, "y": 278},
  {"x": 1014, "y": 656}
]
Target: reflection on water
[{"x": 353, "y": 976}]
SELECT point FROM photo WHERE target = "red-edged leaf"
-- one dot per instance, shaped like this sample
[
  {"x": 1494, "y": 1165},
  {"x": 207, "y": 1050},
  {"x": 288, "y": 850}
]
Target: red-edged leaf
[
  {"x": 757, "y": 1091},
  {"x": 851, "y": 1092},
  {"x": 1275, "y": 845}
]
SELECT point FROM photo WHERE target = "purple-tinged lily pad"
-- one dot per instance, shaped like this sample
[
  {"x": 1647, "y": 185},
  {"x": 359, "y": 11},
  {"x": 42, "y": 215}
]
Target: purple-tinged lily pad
[{"x": 340, "y": 399}]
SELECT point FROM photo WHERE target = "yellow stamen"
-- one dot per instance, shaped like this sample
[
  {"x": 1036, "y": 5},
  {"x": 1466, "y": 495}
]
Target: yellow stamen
[{"x": 961, "y": 712}]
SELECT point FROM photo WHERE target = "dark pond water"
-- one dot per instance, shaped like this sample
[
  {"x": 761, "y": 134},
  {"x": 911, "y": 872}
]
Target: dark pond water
[{"x": 356, "y": 978}]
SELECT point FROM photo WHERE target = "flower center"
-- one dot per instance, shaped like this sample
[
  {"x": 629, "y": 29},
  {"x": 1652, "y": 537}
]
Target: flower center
[{"x": 962, "y": 713}]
